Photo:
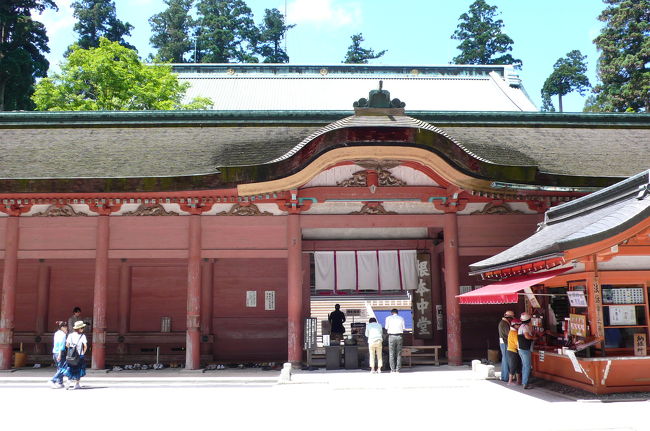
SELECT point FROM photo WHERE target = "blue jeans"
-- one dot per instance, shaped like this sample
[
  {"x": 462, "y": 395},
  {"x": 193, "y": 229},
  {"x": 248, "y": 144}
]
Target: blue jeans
[
  {"x": 526, "y": 365},
  {"x": 395, "y": 352},
  {"x": 60, "y": 368},
  {"x": 504, "y": 362}
]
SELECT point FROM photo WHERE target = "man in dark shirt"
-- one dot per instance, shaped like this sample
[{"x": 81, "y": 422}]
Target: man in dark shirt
[
  {"x": 504, "y": 329},
  {"x": 336, "y": 319}
]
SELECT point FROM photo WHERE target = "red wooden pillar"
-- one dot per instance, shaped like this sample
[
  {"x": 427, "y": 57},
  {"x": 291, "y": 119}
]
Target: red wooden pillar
[
  {"x": 294, "y": 288},
  {"x": 454, "y": 344},
  {"x": 193, "y": 340},
  {"x": 100, "y": 297},
  {"x": 42, "y": 296},
  {"x": 124, "y": 304},
  {"x": 8, "y": 308},
  {"x": 436, "y": 294},
  {"x": 206, "y": 302}
]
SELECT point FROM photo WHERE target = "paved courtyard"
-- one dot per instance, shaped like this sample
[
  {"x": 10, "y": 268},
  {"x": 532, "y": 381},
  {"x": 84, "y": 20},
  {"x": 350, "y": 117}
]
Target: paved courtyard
[{"x": 422, "y": 398}]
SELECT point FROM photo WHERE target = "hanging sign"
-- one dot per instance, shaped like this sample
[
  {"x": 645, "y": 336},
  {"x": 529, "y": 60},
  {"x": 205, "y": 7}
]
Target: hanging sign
[
  {"x": 578, "y": 325},
  {"x": 640, "y": 346},
  {"x": 577, "y": 298},
  {"x": 269, "y": 300},
  {"x": 422, "y": 300},
  {"x": 251, "y": 298}
]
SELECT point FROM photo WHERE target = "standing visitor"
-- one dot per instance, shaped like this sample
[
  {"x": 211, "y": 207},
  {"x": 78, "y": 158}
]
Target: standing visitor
[
  {"x": 513, "y": 360},
  {"x": 58, "y": 354},
  {"x": 76, "y": 341},
  {"x": 375, "y": 335},
  {"x": 395, "y": 327},
  {"x": 76, "y": 316},
  {"x": 336, "y": 319},
  {"x": 504, "y": 330},
  {"x": 525, "y": 338}
]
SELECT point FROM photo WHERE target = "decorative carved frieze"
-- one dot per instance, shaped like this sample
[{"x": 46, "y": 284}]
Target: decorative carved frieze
[
  {"x": 60, "y": 211},
  {"x": 150, "y": 210},
  {"x": 360, "y": 179},
  {"x": 497, "y": 208},
  {"x": 373, "y": 208},
  {"x": 244, "y": 210}
]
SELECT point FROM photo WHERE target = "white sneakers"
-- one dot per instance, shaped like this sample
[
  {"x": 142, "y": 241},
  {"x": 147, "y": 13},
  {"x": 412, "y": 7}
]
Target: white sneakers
[
  {"x": 55, "y": 385},
  {"x": 73, "y": 384}
]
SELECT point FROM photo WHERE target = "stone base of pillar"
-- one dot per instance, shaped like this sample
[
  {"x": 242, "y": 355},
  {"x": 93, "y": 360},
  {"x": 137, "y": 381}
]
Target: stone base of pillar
[{"x": 6, "y": 356}]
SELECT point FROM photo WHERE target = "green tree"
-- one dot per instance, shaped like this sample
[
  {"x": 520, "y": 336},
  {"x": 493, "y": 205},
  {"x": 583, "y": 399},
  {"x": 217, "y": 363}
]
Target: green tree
[
  {"x": 111, "y": 77},
  {"x": 569, "y": 74},
  {"x": 624, "y": 63},
  {"x": 482, "y": 41},
  {"x": 358, "y": 55},
  {"x": 225, "y": 32},
  {"x": 171, "y": 30},
  {"x": 271, "y": 33},
  {"x": 97, "y": 19},
  {"x": 22, "y": 44}
]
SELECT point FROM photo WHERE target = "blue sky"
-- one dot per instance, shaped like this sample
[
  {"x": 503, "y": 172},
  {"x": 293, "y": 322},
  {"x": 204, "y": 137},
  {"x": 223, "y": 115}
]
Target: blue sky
[{"x": 415, "y": 32}]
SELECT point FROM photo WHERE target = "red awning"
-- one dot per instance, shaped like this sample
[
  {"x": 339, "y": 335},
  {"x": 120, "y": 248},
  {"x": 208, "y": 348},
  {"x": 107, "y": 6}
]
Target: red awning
[{"x": 506, "y": 292}]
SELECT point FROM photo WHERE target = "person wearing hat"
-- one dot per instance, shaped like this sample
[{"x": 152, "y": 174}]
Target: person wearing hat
[
  {"x": 77, "y": 340},
  {"x": 525, "y": 337},
  {"x": 58, "y": 354},
  {"x": 504, "y": 330},
  {"x": 514, "y": 362}
]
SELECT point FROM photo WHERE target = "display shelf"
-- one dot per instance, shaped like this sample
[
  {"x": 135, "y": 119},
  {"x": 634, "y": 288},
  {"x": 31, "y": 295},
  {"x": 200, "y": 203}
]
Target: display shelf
[
  {"x": 617, "y": 305},
  {"x": 625, "y": 326}
]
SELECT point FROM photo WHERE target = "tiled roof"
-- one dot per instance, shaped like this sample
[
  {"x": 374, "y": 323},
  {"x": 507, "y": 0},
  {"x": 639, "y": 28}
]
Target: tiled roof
[
  {"x": 583, "y": 221},
  {"x": 328, "y": 87}
]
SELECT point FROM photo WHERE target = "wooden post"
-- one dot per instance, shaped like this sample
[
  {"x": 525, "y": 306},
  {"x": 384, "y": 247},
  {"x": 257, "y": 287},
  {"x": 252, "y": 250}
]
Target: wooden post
[
  {"x": 100, "y": 297},
  {"x": 193, "y": 340},
  {"x": 42, "y": 297},
  {"x": 8, "y": 308},
  {"x": 454, "y": 341},
  {"x": 294, "y": 288}
]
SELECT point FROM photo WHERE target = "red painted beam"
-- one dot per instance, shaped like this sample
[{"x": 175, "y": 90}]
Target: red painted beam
[
  {"x": 421, "y": 193},
  {"x": 379, "y": 244},
  {"x": 8, "y": 307}
]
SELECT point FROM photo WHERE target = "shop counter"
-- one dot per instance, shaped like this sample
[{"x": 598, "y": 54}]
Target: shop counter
[{"x": 601, "y": 375}]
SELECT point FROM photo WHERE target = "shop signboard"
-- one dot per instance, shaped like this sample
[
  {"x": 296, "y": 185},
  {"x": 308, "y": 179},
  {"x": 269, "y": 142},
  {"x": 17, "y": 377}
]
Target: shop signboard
[
  {"x": 578, "y": 325},
  {"x": 310, "y": 332},
  {"x": 422, "y": 300},
  {"x": 640, "y": 345}
]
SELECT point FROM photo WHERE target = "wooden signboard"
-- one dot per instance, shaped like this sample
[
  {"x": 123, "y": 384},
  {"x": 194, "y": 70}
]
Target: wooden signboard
[
  {"x": 310, "y": 332},
  {"x": 578, "y": 325},
  {"x": 640, "y": 345},
  {"x": 422, "y": 300}
]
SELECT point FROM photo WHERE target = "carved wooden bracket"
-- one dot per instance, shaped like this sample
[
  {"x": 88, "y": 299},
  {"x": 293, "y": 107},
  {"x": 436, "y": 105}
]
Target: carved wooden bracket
[
  {"x": 150, "y": 210},
  {"x": 15, "y": 209},
  {"x": 197, "y": 208},
  {"x": 497, "y": 207},
  {"x": 244, "y": 209},
  {"x": 372, "y": 208},
  {"x": 60, "y": 210},
  {"x": 104, "y": 208},
  {"x": 453, "y": 202}
]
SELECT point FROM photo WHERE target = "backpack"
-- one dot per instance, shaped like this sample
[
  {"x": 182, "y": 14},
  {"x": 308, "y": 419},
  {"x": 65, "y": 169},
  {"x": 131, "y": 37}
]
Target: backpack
[{"x": 72, "y": 356}]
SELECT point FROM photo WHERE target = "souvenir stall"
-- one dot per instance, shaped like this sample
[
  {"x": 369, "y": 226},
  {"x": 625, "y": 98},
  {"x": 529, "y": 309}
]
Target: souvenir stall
[{"x": 584, "y": 277}]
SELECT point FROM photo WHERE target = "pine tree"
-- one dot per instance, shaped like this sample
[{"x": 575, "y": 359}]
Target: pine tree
[
  {"x": 22, "y": 44},
  {"x": 171, "y": 30},
  {"x": 97, "y": 18},
  {"x": 569, "y": 74},
  {"x": 225, "y": 32},
  {"x": 624, "y": 63},
  {"x": 482, "y": 41},
  {"x": 272, "y": 31},
  {"x": 358, "y": 55}
]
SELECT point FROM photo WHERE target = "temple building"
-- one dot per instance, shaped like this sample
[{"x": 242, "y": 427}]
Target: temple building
[{"x": 207, "y": 234}]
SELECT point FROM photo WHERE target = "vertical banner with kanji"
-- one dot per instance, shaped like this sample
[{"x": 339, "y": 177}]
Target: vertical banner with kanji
[{"x": 422, "y": 300}]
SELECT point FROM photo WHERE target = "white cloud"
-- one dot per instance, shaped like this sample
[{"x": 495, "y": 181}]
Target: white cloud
[
  {"x": 56, "y": 21},
  {"x": 324, "y": 12}
]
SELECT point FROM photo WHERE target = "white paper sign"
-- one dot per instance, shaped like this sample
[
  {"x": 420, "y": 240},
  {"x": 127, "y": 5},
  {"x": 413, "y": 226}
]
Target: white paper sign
[
  {"x": 269, "y": 300},
  {"x": 251, "y": 298},
  {"x": 622, "y": 315},
  {"x": 577, "y": 298},
  {"x": 572, "y": 356}
]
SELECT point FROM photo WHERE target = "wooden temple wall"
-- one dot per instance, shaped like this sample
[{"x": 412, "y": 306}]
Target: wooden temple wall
[{"x": 246, "y": 254}]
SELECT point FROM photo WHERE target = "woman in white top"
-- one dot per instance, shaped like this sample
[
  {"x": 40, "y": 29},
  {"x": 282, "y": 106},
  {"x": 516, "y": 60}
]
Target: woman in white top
[
  {"x": 58, "y": 354},
  {"x": 77, "y": 340}
]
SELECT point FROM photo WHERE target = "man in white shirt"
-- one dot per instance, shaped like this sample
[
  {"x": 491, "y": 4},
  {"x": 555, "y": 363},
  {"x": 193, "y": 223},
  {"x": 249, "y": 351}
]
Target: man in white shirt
[
  {"x": 395, "y": 328},
  {"x": 374, "y": 333}
]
